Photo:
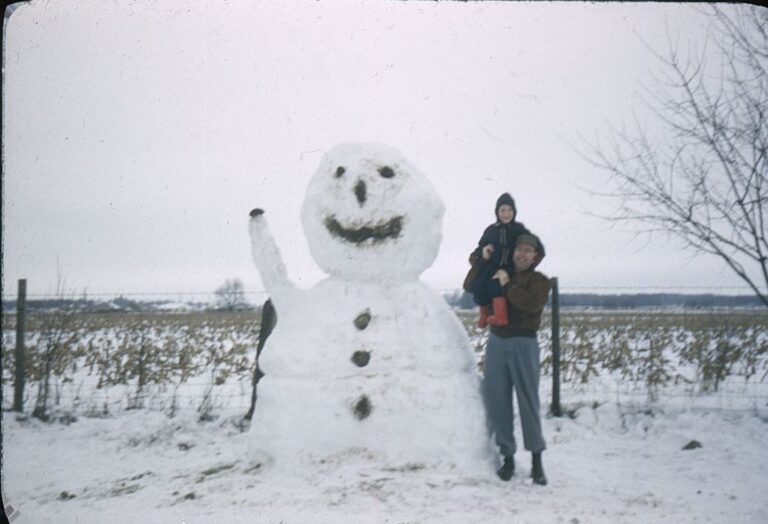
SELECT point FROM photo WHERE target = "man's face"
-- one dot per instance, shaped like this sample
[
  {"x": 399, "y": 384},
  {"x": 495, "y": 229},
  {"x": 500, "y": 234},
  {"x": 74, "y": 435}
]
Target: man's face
[
  {"x": 506, "y": 214},
  {"x": 523, "y": 256}
]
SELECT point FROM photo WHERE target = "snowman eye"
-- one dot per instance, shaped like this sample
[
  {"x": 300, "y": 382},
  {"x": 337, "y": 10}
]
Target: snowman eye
[
  {"x": 339, "y": 171},
  {"x": 386, "y": 172}
]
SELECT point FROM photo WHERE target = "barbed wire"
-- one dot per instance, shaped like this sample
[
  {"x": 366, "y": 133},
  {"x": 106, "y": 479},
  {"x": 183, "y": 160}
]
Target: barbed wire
[
  {"x": 574, "y": 392},
  {"x": 263, "y": 293},
  {"x": 223, "y": 394},
  {"x": 156, "y": 390},
  {"x": 743, "y": 288}
]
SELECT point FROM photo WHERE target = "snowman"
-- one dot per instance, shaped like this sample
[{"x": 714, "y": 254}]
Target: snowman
[{"x": 370, "y": 361}]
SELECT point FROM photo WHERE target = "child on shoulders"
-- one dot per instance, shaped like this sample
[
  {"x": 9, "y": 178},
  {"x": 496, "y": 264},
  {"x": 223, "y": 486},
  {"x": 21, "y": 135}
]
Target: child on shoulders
[{"x": 494, "y": 252}]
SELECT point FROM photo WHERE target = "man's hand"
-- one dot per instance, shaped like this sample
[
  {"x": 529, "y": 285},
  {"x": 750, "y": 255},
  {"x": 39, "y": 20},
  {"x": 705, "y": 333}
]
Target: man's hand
[
  {"x": 502, "y": 276},
  {"x": 487, "y": 250}
]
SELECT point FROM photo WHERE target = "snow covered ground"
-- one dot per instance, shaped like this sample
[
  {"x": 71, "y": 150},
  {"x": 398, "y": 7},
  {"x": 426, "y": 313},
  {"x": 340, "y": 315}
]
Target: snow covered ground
[{"x": 607, "y": 462}]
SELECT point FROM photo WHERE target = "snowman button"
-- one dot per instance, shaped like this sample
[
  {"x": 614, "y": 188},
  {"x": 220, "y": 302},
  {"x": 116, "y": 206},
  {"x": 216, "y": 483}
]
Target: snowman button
[
  {"x": 361, "y": 358},
  {"x": 362, "y": 320},
  {"x": 362, "y": 407}
]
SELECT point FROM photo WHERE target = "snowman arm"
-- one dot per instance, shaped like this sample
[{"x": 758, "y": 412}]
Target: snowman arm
[{"x": 266, "y": 256}]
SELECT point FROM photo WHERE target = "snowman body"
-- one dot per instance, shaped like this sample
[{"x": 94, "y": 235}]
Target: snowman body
[{"x": 370, "y": 358}]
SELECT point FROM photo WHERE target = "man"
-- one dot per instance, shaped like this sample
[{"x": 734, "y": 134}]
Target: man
[{"x": 512, "y": 359}]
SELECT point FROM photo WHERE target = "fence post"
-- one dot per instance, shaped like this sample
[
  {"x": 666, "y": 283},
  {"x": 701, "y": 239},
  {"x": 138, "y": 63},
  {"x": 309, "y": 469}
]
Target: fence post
[
  {"x": 18, "y": 389},
  {"x": 555, "y": 407}
]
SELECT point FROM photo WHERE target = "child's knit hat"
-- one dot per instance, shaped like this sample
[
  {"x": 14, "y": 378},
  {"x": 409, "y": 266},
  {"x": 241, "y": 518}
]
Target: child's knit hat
[{"x": 507, "y": 199}]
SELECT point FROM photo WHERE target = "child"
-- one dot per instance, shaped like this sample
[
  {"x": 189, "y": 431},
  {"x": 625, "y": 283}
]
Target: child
[{"x": 494, "y": 252}]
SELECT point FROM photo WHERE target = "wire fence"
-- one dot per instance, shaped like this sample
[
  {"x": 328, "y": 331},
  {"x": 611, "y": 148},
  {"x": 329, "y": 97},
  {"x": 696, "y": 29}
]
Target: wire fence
[
  {"x": 206, "y": 362},
  {"x": 257, "y": 293}
]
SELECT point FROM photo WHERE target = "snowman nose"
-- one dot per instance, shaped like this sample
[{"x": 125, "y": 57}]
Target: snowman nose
[{"x": 360, "y": 192}]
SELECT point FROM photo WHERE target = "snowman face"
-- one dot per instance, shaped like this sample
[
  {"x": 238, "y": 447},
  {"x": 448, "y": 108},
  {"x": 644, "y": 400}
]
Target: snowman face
[{"x": 370, "y": 215}]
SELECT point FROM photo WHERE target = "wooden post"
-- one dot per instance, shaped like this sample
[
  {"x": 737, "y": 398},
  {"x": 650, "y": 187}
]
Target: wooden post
[
  {"x": 555, "y": 407},
  {"x": 21, "y": 304}
]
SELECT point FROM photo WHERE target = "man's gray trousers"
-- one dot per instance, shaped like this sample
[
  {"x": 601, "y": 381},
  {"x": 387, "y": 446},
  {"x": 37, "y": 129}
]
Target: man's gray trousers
[{"x": 512, "y": 365}]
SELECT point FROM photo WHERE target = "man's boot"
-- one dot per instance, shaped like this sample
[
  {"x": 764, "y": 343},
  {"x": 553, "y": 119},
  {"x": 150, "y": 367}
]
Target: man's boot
[
  {"x": 537, "y": 470},
  {"x": 500, "y": 315},
  {"x": 507, "y": 469},
  {"x": 484, "y": 313}
]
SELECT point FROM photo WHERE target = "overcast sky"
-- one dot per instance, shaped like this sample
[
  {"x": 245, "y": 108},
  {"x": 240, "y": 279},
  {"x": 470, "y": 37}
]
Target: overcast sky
[{"x": 138, "y": 135}]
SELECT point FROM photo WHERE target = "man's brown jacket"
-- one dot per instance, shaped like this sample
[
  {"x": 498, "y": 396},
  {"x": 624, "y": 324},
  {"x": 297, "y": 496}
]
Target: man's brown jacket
[{"x": 527, "y": 293}]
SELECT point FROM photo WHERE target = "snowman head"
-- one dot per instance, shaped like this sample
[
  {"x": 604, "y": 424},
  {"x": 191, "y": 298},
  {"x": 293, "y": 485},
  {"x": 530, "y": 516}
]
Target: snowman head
[{"x": 370, "y": 215}]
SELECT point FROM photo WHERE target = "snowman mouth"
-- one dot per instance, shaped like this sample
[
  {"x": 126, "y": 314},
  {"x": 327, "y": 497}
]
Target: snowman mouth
[{"x": 375, "y": 233}]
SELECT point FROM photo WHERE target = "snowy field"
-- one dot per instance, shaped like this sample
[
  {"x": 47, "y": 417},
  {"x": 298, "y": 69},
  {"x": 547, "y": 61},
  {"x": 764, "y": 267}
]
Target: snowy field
[
  {"x": 609, "y": 463},
  {"x": 614, "y": 457}
]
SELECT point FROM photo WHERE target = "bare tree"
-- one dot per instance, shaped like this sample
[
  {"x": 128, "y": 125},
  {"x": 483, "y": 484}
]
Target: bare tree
[
  {"x": 231, "y": 295},
  {"x": 701, "y": 176}
]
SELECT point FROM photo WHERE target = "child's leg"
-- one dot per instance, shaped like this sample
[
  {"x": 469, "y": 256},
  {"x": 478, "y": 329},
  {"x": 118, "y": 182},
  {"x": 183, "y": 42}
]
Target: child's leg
[
  {"x": 479, "y": 290},
  {"x": 493, "y": 289},
  {"x": 500, "y": 315},
  {"x": 483, "y": 300},
  {"x": 480, "y": 287},
  {"x": 485, "y": 312}
]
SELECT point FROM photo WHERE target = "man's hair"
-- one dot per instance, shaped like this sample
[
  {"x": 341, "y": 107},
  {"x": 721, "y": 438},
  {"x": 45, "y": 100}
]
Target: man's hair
[{"x": 531, "y": 240}]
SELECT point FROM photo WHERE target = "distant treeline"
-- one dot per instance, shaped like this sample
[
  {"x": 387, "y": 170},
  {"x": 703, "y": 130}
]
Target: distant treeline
[
  {"x": 660, "y": 300},
  {"x": 457, "y": 299},
  {"x": 463, "y": 300},
  {"x": 117, "y": 305}
]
